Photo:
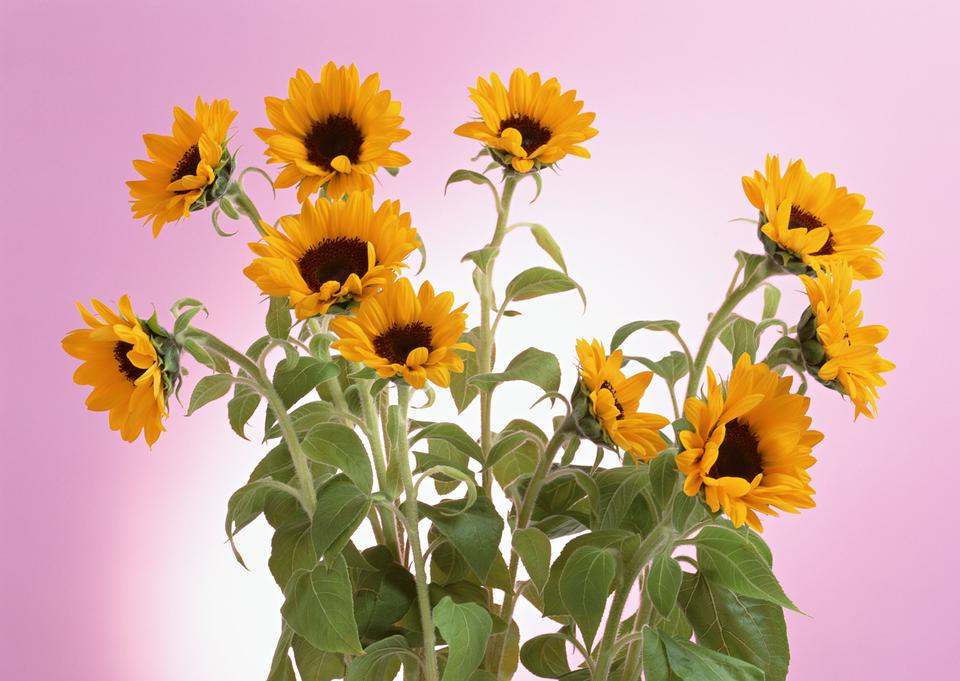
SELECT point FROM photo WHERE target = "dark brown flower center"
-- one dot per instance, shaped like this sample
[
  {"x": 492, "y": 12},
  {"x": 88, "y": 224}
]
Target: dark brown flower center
[
  {"x": 533, "y": 135},
  {"x": 398, "y": 341},
  {"x": 739, "y": 456},
  {"x": 131, "y": 371},
  {"x": 187, "y": 165},
  {"x": 616, "y": 402},
  {"x": 800, "y": 218},
  {"x": 333, "y": 260},
  {"x": 336, "y": 136}
]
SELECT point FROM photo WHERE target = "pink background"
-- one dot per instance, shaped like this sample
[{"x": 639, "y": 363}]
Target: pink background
[{"x": 113, "y": 564}]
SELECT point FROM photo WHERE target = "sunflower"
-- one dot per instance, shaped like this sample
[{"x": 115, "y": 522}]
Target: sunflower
[
  {"x": 750, "y": 446},
  {"x": 122, "y": 364},
  {"x": 837, "y": 348},
  {"x": 402, "y": 333},
  {"x": 188, "y": 169},
  {"x": 531, "y": 123},
  {"x": 333, "y": 134},
  {"x": 332, "y": 252},
  {"x": 812, "y": 219},
  {"x": 614, "y": 401}
]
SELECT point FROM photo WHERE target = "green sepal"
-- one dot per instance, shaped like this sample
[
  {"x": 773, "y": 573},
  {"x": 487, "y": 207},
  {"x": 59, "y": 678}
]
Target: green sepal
[{"x": 221, "y": 183}]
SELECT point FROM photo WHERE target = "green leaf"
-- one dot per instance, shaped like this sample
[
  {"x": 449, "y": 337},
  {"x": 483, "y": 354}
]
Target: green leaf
[
  {"x": 482, "y": 257},
  {"x": 281, "y": 668},
  {"x": 464, "y": 175},
  {"x": 533, "y": 547},
  {"x": 614, "y": 507},
  {"x": 771, "y": 301},
  {"x": 378, "y": 657},
  {"x": 730, "y": 559},
  {"x": 539, "y": 281},
  {"x": 584, "y": 585},
  {"x": 751, "y": 263},
  {"x": 740, "y": 337},
  {"x": 278, "y": 317},
  {"x": 664, "y": 476},
  {"x": 453, "y": 434},
  {"x": 553, "y": 605},
  {"x": 461, "y": 390},
  {"x": 208, "y": 389},
  {"x": 241, "y": 407},
  {"x": 695, "y": 663},
  {"x": 474, "y": 532},
  {"x": 318, "y": 605},
  {"x": 293, "y": 383},
  {"x": 291, "y": 550},
  {"x": 465, "y": 627},
  {"x": 663, "y": 583},
  {"x": 316, "y": 665},
  {"x": 339, "y": 446},
  {"x": 540, "y": 368},
  {"x": 382, "y": 596},
  {"x": 341, "y": 507},
  {"x": 655, "y": 665},
  {"x": 546, "y": 656},
  {"x": 746, "y": 628},
  {"x": 243, "y": 507},
  {"x": 545, "y": 241},
  {"x": 628, "y": 330}
]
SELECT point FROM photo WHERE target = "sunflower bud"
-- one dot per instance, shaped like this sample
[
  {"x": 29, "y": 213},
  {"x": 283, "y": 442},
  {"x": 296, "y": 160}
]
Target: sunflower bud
[
  {"x": 223, "y": 172},
  {"x": 786, "y": 260},
  {"x": 585, "y": 418}
]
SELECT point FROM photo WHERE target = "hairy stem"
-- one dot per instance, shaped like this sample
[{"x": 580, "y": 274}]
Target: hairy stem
[
  {"x": 735, "y": 296},
  {"x": 413, "y": 537},
  {"x": 245, "y": 206},
  {"x": 485, "y": 351},
  {"x": 301, "y": 464},
  {"x": 379, "y": 463}
]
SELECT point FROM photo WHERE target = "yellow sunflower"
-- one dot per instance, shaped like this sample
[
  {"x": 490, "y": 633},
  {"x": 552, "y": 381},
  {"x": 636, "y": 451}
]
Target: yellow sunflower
[
  {"x": 531, "y": 123},
  {"x": 615, "y": 400},
  {"x": 188, "y": 169},
  {"x": 813, "y": 219},
  {"x": 750, "y": 446},
  {"x": 333, "y": 251},
  {"x": 836, "y": 345},
  {"x": 121, "y": 363},
  {"x": 399, "y": 332},
  {"x": 334, "y": 134}
]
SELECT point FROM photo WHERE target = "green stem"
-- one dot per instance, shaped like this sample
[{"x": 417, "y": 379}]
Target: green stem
[
  {"x": 485, "y": 351},
  {"x": 735, "y": 296},
  {"x": 245, "y": 205},
  {"x": 413, "y": 537},
  {"x": 379, "y": 462},
  {"x": 524, "y": 514},
  {"x": 652, "y": 544},
  {"x": 635, "y": 651},
  {"x": 301, "y": 464}
]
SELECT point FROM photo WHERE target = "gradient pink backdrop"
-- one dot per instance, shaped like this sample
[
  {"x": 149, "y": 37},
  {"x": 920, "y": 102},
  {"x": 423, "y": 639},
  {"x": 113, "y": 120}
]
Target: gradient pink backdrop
[{"x": 113, "y": 566}]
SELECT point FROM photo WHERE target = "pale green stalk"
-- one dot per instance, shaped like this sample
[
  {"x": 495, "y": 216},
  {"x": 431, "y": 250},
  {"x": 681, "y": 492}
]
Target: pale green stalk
[{"x": 413, "y": 538}]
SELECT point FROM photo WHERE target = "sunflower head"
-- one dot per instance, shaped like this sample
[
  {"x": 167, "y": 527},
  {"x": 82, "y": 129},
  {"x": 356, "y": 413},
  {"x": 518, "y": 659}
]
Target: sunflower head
[
  {"x": 529, "y": 124},
  {"x": 807, "y": 220},
  {"x": 838, "y": 349},
  {"x": 606, "y": 404},
  {"x": 187, "y": 170},
  {"x": 333, "y": 134},
  {"x": 132, "y": 365},
  {"x": 750, "y": 445},
  {"x": 402, "y": 333},
  {"x": 332, "y": 253}
]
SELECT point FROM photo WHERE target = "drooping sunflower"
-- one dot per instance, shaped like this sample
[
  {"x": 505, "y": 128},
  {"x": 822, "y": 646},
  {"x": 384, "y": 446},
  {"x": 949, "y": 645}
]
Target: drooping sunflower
[
  {"x": 531, "y": 123},
  {"x": 187, "y": 170},
  {"x": 121, "y": 362},
  {"x": 335, "y": 133},
  {"x": 614, "y": 400},
  {"x": 750, "y": 446},
  {"x": 811, "y": 219},
  {"x": 333, "y": 251},
  {"x": 837, "y": 348},
  {"x": 399, "y": 332}
]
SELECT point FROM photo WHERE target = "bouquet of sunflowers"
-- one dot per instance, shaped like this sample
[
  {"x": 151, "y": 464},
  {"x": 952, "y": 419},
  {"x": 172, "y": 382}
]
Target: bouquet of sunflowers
[{"x": 613, "y": 506}]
